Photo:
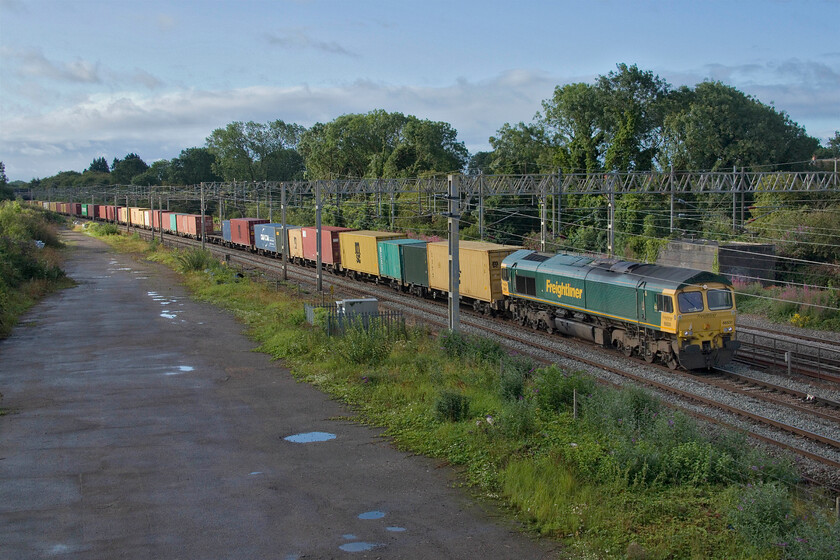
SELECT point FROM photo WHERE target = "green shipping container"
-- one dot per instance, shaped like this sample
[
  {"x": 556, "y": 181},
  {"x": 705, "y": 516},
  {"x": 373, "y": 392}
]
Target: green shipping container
[
  {"x": 173, "y": 223},
  {"x": 415, "y": 264},
  {"x": 390, "y": 261},
  {"x": 85, "y": 209}
]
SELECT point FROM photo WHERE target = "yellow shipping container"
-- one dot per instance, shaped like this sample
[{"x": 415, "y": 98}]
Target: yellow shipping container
[
  {"x": 295, "y": 243},
  {"x": 359, "y": 249},
  {"x": 480, "y": 264},
  {"x": 138, "y": 217}
]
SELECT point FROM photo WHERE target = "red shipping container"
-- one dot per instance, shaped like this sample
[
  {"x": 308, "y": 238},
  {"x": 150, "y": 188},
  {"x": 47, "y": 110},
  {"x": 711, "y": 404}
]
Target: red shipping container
[
  {"x": 242, "y": 230},
  {"x": 330, "y": 248},
  {"x": 74, "y": 208},
  {"x": 111, "y": 213},
  {"x": 190, "y": 224},
  {"x": 167, "y": 222},
  {"x": 156, "y": 219}
]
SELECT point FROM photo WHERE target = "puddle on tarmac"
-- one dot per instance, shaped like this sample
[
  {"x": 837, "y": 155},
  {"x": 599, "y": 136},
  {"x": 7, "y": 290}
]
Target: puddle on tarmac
[
  {"x": 180, "y": 370},
  {"x": 254, "y": 473},
  {"x": 310, "y": 437},
  {"x": 395, "y": 529},
  {"x": 372, "y": 515},
  {"x": 358, "y": 546},
  {"x": 349, "y": 537},
  {"x": 167, "y": 315}
]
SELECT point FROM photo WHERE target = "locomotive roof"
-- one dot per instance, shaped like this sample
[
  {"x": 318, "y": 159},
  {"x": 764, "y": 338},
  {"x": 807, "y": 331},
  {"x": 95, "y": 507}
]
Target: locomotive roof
[{"x": 625, "y": 272}]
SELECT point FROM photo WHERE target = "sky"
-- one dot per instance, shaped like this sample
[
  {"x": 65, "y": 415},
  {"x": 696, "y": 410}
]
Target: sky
[{"x": 81, "y": 79}]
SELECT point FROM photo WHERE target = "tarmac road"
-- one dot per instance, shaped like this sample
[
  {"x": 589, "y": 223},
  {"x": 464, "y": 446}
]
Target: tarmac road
[{"x": 143, "y": 425}]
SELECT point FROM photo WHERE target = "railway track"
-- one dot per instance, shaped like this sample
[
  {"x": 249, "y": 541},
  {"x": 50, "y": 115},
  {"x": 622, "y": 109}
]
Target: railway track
[
  {"x": 436, "y": 313},
  {"x": 806, "y": 356}
]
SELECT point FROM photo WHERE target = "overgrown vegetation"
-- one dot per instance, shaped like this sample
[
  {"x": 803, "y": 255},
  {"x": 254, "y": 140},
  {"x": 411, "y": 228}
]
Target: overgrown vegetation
[
  {"x": 613, "y": 474},
  {"x": 29, "y": 260},
  {"x": 801, "y": 306}
]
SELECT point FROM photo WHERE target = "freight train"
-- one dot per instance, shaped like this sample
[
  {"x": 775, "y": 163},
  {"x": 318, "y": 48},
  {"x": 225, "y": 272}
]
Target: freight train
[{"x": 676, "y": 316}]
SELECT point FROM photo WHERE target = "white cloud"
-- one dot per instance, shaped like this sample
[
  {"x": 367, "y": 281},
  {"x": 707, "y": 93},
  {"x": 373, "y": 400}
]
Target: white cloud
[
  {"x": 146, "y": 79},
  {"x": 32, "y": 63},
  {"x": 160, "y": 125},
  {"x": 300, "y": 39}
]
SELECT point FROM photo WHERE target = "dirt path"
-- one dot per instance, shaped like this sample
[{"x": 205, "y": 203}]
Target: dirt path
[{"x": 144, "y": 426}]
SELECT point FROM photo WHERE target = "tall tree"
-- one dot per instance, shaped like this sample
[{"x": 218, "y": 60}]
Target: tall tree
[
  {"x": 426, "y": 146},
  {"x": 245, "y": 151},
  {"x": 380, "y": 144},
  {"x": 124, "y": 169},
  {"x": 99, "y": 165},
  {"x": 193, "y": 166},
  {"x": 5, "y": 191},
  {"x": 157, "y": 174},
  {"x": 573, "y": 119},
  {"x": 518, "y": 149},
  {"x": 719, "y": 127},
  {"x": 480, "y": 163},
  {"x": 634, "y": 111}
]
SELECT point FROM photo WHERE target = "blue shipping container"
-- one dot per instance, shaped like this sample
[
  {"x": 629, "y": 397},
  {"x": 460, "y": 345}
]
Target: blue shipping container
[
  {"x": 265, "y": 235},
  {"x": 226, "y": 230}
]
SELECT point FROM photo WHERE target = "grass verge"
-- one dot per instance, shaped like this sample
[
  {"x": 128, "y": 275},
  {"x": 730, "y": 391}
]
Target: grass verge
[
  {"x": 611, "y": 474},
  {"x": 30, "y": 260}
]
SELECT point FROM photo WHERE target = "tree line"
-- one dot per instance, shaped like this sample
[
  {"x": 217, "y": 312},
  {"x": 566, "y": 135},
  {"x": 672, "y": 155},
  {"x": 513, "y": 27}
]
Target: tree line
[{"x": 626, "y": 120}]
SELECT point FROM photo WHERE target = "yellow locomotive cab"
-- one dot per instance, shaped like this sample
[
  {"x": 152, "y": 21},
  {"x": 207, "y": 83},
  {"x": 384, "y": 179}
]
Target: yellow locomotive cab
[{"x": 705, "y": 325}]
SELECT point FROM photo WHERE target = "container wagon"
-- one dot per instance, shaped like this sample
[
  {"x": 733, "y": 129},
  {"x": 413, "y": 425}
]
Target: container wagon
[
  {"x": 330, "y": 245},
  {"x": 392, "y": 259},
  {"x": 480, "y": 272},
  {"x": 242, "y": 231},
  {"x": 359, "y": 255}
]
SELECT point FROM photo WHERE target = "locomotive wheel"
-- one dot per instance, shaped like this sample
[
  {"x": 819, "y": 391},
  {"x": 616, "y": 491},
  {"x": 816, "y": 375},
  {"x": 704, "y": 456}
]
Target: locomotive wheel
[
  {"x": 672, "y": 362},
  {"x": 649, "y": 357},
  {"x": 627, "y": 350}
]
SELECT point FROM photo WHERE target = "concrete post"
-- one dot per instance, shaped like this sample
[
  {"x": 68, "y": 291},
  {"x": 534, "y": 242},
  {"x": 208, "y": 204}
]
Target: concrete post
[{"x": 454, "y": 265}]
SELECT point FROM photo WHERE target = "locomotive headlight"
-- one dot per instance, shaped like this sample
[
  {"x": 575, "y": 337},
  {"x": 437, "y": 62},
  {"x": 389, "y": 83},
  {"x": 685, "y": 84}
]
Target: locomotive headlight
[
  {"x": 727, "y": 329},
  {"x": 688, "y": 333}
]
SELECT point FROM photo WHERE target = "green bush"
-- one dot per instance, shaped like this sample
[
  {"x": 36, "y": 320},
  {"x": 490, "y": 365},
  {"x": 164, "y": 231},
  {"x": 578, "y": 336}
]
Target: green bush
[
  {"x": 763, "y": 515},
  {"x": 195, "y": 259},
  {"x": 103, "y": 230},
  {"x": 517, "y": 418},
  {"x": 27, "y": 270},
  {"x": 452, "y": 406},
  {"x": 812, "y": 539},
  {"x": 556, "y": 389},
  {"x": 514, "y": 375},
  {"x": 369, "y": 345},
  {"x": 472, "y": 348}
]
